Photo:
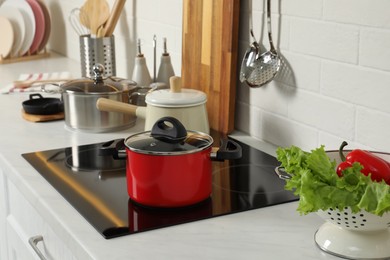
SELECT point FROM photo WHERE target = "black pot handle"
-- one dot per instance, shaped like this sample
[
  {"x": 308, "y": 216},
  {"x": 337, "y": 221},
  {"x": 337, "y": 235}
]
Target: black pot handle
[
  {"x": 115, "y": 148},
  {"x": 35, "y": 95},
  {"x": 282, "y": 174},
  {"x": 228, "y": 150},
  {"x": 169, "y": 129}
]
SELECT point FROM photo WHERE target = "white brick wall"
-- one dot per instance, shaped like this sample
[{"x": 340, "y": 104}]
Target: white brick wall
[
  {"x": 334, "y": 84},
  {"x": 372, "y": 13},
  {"x": 324, "y": 39},
  {"x": 374, "y": 48},
  {"x": 357, "y": 85}
]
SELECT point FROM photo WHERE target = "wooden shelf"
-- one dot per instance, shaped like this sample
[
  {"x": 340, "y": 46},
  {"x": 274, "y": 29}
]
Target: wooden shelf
[{"x": 43, "y": 54}]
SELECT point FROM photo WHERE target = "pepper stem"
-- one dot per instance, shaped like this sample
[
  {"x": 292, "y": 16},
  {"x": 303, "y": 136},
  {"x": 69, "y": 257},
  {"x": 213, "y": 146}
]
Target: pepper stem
[{"x": 342, "y": 156}]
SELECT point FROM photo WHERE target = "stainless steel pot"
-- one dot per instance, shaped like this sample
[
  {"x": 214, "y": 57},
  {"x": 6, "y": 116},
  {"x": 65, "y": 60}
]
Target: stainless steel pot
[{"x": 80, "y": 97}]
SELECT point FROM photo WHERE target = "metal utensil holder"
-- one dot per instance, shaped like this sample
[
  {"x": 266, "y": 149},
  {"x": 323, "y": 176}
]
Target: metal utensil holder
[{"x": 97, "y": 50}]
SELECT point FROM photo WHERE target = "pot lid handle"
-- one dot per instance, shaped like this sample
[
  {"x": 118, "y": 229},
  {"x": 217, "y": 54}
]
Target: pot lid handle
[
  {"x": 98, "y": 71},
  {"x": 169, "y": 129}
]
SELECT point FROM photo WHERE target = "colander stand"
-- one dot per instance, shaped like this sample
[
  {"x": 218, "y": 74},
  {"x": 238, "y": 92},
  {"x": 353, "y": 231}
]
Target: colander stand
[
  {"x": 353, "y": 244},
  {"x": 349, "y": 235}
]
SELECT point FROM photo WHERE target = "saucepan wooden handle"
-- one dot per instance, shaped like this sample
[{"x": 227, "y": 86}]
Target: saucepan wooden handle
[{"x": 109, "y": 105}]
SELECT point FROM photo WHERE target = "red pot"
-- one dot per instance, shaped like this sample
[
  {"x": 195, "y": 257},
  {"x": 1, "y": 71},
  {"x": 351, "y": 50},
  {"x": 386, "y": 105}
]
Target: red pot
[{"x": 171, "y": 167}]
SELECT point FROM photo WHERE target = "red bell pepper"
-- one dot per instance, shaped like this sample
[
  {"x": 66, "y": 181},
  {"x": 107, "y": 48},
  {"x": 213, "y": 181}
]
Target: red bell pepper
[{"x": 378, "y": 167}]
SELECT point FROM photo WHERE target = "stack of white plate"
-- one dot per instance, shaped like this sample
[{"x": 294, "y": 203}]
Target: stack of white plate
[{"x": 24, "y": 27}]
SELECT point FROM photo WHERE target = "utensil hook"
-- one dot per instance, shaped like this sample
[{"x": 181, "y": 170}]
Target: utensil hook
[
  {"x": 251, "y": 24},
  {"x": 269, "y": 27}
]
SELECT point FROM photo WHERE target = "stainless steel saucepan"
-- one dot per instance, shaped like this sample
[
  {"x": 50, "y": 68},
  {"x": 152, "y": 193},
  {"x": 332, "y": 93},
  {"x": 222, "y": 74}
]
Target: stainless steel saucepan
[{"x": 80, "y": 97}]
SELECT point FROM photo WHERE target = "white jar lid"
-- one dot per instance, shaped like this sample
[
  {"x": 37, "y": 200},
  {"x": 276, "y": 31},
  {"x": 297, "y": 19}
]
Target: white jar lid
[{"x": 184, "y": 98}]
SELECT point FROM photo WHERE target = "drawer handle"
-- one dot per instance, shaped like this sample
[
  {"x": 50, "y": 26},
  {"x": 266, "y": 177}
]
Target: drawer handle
[{"x": 33, "y": 241}]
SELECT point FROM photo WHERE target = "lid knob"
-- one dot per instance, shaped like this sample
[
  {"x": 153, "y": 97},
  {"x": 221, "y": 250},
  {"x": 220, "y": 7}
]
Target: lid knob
[
  {"x": 175, "y": 84},
  {"x": 98, "y": 71}
]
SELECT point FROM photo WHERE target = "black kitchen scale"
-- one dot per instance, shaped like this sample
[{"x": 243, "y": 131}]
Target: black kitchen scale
[{"x": 95, "y": 186}]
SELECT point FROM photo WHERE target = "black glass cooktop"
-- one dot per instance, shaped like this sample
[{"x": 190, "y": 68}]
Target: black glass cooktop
[{"x": 96, "y": 187}]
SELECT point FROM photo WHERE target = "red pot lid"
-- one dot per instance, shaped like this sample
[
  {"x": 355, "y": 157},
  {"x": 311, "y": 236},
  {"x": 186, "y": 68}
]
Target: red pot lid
[{"x": 168, "y": 137}]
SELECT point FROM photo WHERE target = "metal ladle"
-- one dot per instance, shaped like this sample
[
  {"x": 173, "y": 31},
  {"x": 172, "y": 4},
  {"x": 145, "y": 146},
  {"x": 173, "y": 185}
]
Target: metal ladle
[
  {"x": 250, "y": 56},
  {"x": 267, "y": 65}
]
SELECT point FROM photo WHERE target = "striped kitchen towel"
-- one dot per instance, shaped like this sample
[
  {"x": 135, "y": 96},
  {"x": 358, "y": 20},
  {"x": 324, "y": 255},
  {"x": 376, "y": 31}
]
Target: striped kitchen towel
[{"x": 33, "y": 82}]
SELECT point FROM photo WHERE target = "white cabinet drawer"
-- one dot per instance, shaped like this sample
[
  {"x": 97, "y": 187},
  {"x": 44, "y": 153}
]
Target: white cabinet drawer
[
  {"x": 3, "y": 215},
  {"x": 3, "y": 238},
  {"x": 18, "y": 248},
  {"x": 32, "y": 224},
  {"x": 3, "y": 197}
]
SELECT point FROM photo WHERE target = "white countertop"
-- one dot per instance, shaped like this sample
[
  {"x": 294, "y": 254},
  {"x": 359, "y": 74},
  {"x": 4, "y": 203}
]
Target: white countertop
[{"x": 276, "y": 232}]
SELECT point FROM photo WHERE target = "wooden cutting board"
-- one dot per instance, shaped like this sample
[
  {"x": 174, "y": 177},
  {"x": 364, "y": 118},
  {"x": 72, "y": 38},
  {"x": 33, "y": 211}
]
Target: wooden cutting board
[
  {"x": 42, "y": 118},
  {"x": 209, "y": 56}
]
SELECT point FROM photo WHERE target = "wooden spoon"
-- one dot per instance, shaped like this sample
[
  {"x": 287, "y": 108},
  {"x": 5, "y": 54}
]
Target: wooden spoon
[
  {"x": 114, "y": 16},
  {"x": 98, "y": 12}
]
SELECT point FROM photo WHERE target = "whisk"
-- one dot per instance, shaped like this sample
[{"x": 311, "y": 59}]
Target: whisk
[{"x": 79, "y": 20}]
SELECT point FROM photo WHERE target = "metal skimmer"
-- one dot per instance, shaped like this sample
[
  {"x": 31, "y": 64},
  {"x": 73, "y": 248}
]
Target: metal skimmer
[{"x": 265, "y": 67}]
